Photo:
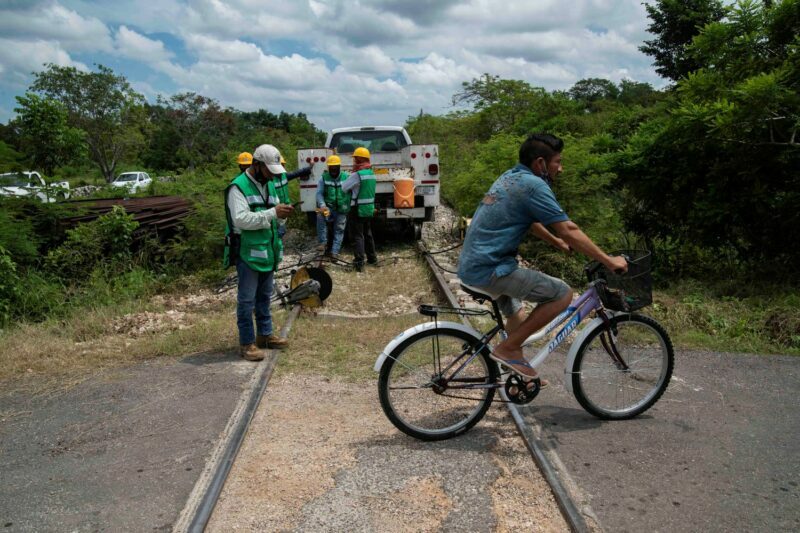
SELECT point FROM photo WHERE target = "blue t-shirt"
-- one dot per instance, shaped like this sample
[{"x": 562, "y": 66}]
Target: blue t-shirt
[{"x": 516, "y": 200}]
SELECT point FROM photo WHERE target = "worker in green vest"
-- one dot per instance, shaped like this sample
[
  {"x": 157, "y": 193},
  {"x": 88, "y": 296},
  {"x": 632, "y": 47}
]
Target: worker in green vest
[
  {"x": 361, "y": 186},
  {"x": 333, "y": 204},
  {"x": 253, "y": 246}
]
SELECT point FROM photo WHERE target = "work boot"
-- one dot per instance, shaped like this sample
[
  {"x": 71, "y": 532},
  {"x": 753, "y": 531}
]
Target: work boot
[
  {"x": 271, "y": 341},
  {"x": 372, "y": 260},
  {"x": 359, "y": 266},
  {"x": 321, "y": 247},
  {"x": 251, "y": 352}
]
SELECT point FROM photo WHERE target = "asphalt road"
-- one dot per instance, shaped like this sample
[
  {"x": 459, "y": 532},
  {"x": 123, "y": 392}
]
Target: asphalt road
[
  {"x": 119, "y": 452},
  {"x": 719, "y": 452}
]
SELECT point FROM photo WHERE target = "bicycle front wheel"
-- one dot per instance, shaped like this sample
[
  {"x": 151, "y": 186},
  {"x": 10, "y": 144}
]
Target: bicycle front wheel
[
  {"x": 609, "y": 390},
  {"x": 423, "y": 392}
]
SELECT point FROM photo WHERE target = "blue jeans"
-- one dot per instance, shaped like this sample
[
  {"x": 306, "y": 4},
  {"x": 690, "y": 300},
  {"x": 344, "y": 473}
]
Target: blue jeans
[
  {"x": 338, "y": 221},
  {"x": 255, "y": 290}
]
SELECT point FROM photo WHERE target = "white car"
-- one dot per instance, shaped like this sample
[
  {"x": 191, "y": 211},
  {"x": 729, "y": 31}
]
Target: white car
[
  {"x": 133, "y": 181},
  {"x": 31, "y": 183}
]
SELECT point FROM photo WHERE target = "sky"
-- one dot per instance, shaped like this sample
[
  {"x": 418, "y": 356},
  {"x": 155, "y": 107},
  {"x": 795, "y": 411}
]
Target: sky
[{"x": 341, "y": 62}]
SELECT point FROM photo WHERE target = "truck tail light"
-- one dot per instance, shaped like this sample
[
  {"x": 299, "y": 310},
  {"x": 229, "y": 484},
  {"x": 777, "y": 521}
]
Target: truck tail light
[
  {"x": 413, "y": 155},
  {"x": 308, "y": 160},
  {"x": 322, "y": 158},
  {"x": 427, "y": 155},
  {"x": 316, "y": 159},
  {"x": 433, "y": 169}
]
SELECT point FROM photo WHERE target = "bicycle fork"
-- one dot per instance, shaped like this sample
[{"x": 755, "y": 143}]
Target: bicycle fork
[{"x": 607, "y": 339}]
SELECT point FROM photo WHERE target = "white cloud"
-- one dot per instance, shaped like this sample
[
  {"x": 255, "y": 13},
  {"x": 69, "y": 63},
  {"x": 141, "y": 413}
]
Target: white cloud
[
  {"x": 339, "y": 61},
  {"x": 53, "y": 22},
  {"x": 19, "y": 58},
  {"x": 133, "y": 45}
]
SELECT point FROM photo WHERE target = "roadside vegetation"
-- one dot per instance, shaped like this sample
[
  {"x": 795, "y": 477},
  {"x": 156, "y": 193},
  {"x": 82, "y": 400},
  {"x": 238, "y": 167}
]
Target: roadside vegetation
[{"x": 702, "y": 172}]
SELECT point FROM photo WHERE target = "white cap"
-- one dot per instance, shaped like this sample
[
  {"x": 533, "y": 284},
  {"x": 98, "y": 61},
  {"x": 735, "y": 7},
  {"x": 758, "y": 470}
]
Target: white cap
[{"x": 270, "y": 155}]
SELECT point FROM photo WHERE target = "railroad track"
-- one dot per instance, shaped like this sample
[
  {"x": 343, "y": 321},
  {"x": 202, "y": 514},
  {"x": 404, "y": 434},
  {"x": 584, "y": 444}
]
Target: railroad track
[
  {"x": 200, "y": 506},
  {"x": 564, "y": 489}
]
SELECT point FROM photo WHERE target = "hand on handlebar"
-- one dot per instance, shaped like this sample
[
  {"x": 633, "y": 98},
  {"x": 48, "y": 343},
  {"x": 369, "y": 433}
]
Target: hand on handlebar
[{"x": 617, "y": 264}]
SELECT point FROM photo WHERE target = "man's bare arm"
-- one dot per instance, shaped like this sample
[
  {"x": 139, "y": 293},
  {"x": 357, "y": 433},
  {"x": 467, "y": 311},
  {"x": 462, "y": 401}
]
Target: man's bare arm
[
  {"x": 540, "y": 231},
  {"x": 578, "y": 240}
]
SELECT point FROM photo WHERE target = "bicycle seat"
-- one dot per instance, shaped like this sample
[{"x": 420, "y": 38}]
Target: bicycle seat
[{"x": 477, "y": 293}]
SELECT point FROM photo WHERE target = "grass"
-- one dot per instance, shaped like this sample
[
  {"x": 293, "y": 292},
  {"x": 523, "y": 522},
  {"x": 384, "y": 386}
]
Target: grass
[
  {"x": 56, "y": 353},
  {"x": 698, "y": 318},
  {"x": 338, "y": 347}
]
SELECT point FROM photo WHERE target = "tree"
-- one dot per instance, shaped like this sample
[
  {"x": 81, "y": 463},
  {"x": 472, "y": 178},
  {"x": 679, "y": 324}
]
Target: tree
[
  {"x": 720, "y": 170},
  {"x": 202, "y": 127},
  {"x": 592, "y": 89},
  {"x": 635, "y": 92},
  {"x": 101, "y": 104},
  {"x": 674, "y": 23},
  {"x": 46, "y": 137}
]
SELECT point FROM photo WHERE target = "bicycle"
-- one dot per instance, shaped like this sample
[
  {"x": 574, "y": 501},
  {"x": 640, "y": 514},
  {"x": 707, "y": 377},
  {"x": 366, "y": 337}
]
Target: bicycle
[{"x": 437, "y": 381}]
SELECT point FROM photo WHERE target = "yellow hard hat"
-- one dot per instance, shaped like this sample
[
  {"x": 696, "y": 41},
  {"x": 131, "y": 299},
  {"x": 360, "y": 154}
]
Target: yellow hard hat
[
  {"x": 283, "y": 161},
  {"x": 245, "y": 158},
  {"x": 334, "y": 160},
  {"x": 361, "y": 152}
]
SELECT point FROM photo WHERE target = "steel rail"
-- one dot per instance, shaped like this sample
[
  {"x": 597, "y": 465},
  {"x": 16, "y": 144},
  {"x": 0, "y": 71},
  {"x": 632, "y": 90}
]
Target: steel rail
[{"x": 555, "y": 474}]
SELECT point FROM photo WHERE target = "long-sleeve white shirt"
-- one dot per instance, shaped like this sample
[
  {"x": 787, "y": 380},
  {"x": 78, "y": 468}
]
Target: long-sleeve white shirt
[{"x": 241, "y": 215}]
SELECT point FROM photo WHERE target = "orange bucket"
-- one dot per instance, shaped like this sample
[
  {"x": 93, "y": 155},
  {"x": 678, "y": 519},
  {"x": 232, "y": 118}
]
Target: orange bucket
[{"x": 403, "y": 193}]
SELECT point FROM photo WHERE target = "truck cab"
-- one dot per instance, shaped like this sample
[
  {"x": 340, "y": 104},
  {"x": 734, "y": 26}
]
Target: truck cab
[{"x": 394, "y": 157}]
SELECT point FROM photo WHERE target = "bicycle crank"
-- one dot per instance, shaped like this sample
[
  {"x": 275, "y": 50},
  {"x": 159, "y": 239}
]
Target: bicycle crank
[{"x": 520, "y": 391}]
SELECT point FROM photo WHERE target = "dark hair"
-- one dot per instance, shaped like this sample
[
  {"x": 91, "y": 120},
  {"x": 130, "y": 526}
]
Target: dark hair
[{"x": 539, "y": 145}]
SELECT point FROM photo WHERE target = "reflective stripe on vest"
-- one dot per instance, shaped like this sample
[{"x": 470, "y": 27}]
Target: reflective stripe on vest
[{"x": 259, "y": 253}]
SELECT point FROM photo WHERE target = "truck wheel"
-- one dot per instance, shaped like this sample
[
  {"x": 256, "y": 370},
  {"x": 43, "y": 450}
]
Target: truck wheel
[
  {"x": 430, "y": 214},
  {"x": 417, "y": 231}
]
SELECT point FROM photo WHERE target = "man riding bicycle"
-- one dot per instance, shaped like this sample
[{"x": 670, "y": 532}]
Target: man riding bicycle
[{"x": 521, "y": 201}]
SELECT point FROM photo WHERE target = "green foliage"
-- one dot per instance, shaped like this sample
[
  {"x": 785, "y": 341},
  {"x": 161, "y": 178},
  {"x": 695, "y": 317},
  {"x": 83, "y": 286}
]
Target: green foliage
[
  {"x": 104, "y": 241},
  {"x": 720, "y": 169},
  {"x": 45, "y": 136},
  {"x": 592, "y": 89},
  {"x": 10, "y": 159},
  {"x": 101, "y": 104},
  {"x": 189, "y": 131},
  {"x": 674, "y": 23},
  {"x": 9, "y": 285}
]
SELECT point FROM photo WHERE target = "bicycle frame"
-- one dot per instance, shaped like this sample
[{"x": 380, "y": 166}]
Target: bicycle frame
[{"x": 573, "y": 315}]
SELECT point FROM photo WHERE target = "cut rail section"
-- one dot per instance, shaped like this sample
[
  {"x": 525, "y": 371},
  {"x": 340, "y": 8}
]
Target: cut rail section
[{"x": 564, "y": 489}]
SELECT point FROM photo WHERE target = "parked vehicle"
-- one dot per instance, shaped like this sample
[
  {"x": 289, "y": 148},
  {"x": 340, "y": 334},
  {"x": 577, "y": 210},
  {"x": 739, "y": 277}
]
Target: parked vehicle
[
  {"x": 396, "y": 161},
  {"x": 31, "y": 183},
  {"x": 133, "y": 181}
]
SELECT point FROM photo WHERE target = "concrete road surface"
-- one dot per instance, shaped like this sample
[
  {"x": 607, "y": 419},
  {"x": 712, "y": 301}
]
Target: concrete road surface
[
  {"x": 119, "y": 452},
  {"x": 719, "y": 452}
]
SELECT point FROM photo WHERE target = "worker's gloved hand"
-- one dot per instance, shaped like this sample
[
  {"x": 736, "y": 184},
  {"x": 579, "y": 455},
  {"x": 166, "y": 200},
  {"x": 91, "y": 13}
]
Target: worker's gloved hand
[
  {"x": 283, "y": 210},
  {"x": 305, "y": 173}
]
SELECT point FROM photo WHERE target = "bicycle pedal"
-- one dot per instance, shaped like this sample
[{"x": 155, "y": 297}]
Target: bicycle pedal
[{"x": 520, "y": 391}]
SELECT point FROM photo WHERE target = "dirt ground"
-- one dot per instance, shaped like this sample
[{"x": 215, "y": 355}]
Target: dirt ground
[{"x": 320, "y": 455}]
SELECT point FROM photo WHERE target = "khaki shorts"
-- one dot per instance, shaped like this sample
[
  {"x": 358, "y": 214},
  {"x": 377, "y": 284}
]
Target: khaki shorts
[{"x": 524, "y": 284}]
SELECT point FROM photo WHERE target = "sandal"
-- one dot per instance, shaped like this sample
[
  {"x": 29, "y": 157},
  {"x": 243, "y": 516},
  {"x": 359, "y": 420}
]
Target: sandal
[{"x": 521, "y": 367}]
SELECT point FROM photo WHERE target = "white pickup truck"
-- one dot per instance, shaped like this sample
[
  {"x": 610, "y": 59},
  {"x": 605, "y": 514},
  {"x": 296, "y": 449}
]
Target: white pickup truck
[
  {"x": 32, "y": 184},
  {"x": 393, "y": 157}
]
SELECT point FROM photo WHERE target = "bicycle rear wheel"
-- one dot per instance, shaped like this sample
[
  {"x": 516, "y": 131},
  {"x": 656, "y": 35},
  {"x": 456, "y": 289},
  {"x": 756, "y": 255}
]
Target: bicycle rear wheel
[
  {"x": 412, "y": 392},
  {"x": 613, "y": 393}
]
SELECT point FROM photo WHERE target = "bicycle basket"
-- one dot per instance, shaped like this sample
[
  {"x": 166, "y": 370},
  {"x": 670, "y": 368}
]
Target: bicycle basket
[{"x": 625, "y": 292}]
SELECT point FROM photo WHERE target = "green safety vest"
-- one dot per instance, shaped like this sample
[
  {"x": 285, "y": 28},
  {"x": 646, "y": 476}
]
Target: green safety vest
[
  {"x": 335, "y": 197},
  {"x": 366, "y": 194},
  {"x": 260, "y": 249},
  {"x": 282, "y": 188}
]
